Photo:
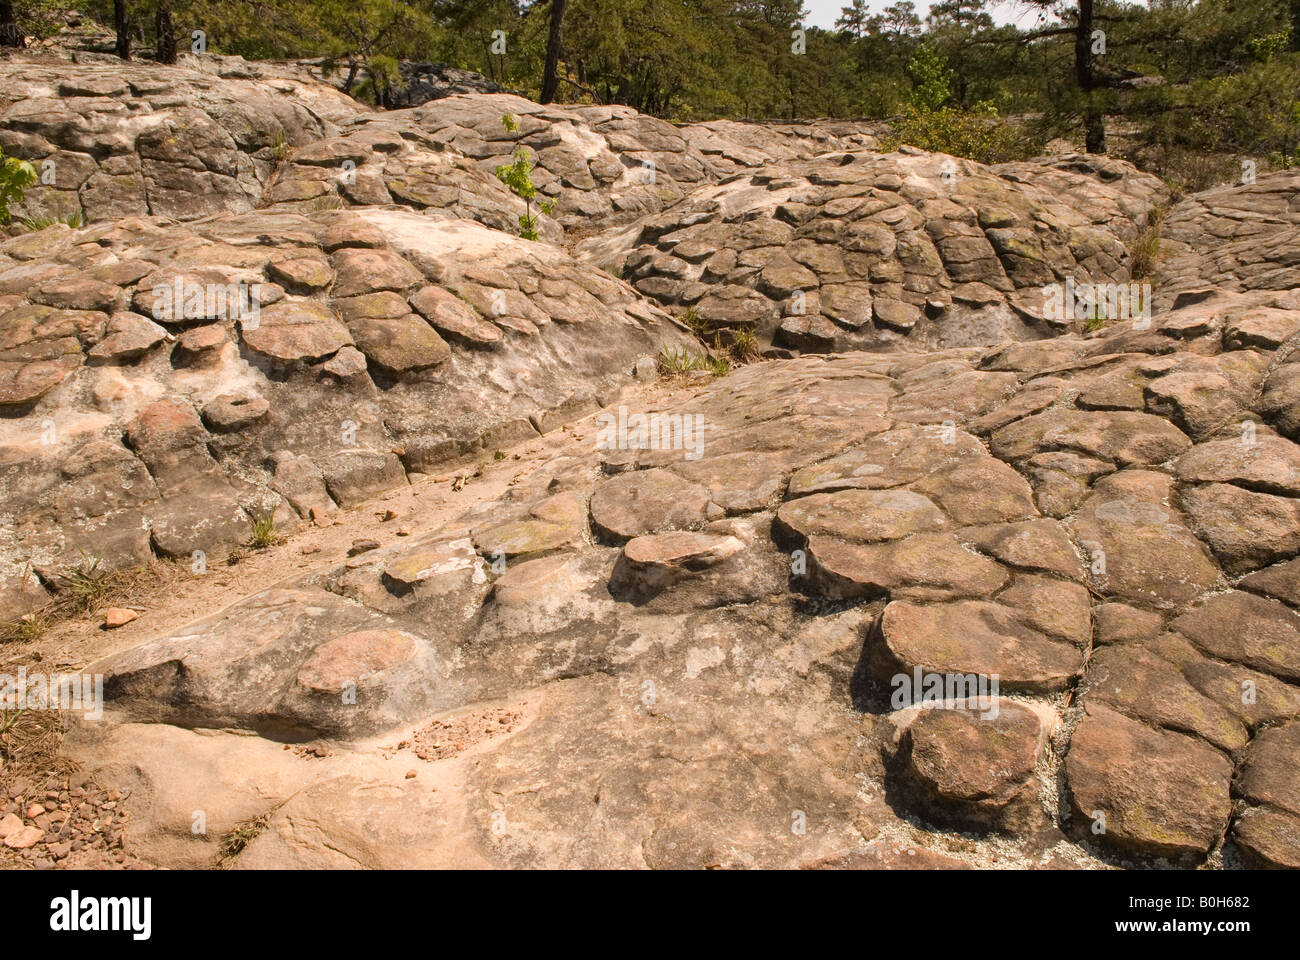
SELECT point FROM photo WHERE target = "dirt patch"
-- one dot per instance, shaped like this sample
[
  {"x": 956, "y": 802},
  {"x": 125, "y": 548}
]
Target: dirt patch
[
  {"x": 63, "y": 820},
  {"x": 446, "y": 738}
]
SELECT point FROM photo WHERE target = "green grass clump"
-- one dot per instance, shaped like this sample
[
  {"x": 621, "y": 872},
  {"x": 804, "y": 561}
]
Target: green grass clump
[{"x": 679, "y": 363}]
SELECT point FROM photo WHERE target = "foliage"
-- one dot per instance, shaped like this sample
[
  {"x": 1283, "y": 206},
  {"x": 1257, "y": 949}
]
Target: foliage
[
  {"x": 382, "y": 77},
  {"x": 928, "y": 123},
  {"x": 1187, "y": 130},
  {"x": 1144, "y": 252},
  {"x": 40, "y": 19},
  {"x": 263, "y": 533},
  {"x": 31, "y": 224},
  {"x": 280, "y": 146},
  {"x": 931, "y": 81},
  {"x": 1193, "y": 83},
  {"x": 978, "y": 134},
  {"x": 679, "y": 363},
  {"x": 87, "y": 584},
  {"x": 518, "y": 176},
  {"x": 15, "y": 177}
]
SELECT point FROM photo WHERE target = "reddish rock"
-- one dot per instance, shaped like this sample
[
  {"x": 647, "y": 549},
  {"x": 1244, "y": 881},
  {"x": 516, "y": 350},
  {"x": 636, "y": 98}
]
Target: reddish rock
[
  {"x": 1162, "y": 794},
  {"x": 115, "y": 617},
  {"x": 971, "y": 637},
  {"x": 354, "y": 657},
  {"x": 303, "y": 332}
]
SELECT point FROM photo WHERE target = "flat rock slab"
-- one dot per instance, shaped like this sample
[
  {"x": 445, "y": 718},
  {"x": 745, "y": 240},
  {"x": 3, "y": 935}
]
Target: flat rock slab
[
  {"x": 972, "y": 637},
  {"x": 647, "y": 501},
  {"x": 1152, "y": 689},
  {"x": 972, "y": 765},
  {"x": 858, "y": 516},
  {"x": 1160, "y": 793},
  {"x": 399, "y": 344},
  {"x": 286, "y": 659},
  {"x": 652, "y": 563},
  {"x": 1137, "y": 547},
  {"x": 1124, "y": 438},
  {"x": 1242, "y": 628},
  {"x": 304, "y": 332},
  {"x": 935, "y": 566}
]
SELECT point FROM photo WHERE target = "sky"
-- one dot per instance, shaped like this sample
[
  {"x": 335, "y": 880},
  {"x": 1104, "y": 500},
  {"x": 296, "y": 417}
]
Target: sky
[{"x": 823, "y": 13}]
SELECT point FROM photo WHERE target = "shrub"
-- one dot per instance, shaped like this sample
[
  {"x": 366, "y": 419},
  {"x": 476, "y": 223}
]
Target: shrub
[
  {"x": 978, "y": 134},
  {"x": 383, "y": 75},
  {"x": 1195, "y": 134},
  {"x": 679, "y": 363},
  {"x": 518, "y": 176},
  {"x": 1144, "y": 253},
  {"x": 263, "y": 533},
  {"x": 15, "y": 177},
  {"x": 32, "y": 224},
  {"x": 931, "y": 81},
  {"x": 929, "y": 123}
]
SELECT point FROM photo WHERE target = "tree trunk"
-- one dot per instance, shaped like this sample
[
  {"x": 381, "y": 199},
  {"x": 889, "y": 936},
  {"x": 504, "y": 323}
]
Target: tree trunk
[
  {"x": 10, "y": 34},
  {"x": 123, "y": 28},
  {"x": 1094, "y": 121},
  {"x": 551, "y": 74},
  {"x": 166, "y": 33}
]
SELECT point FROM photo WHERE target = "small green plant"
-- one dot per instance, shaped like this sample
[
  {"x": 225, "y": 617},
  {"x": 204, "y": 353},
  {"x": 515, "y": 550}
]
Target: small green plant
[
  {"x": 1144, "y": 253},
  {"x": 28, "y": 627},
  {"x": 676, "y": 363},
  {"x": 263, "y": 534},
  {"x": 328, "y": 202},
  {"x": 1285, "y": 161},
  {"x": 280, "y": 146},
  {"x": 679, "y": 363},
  {"x": 87, "y": 584},
  {"x": 31, "y": 224},
  {"x": 15, "y": 177},
  {"x": 243, "y": 833},
  {"x": 518, "y": 176},
  {"x": 691, "y": 317},
  {"x": 744, "y": 344}
]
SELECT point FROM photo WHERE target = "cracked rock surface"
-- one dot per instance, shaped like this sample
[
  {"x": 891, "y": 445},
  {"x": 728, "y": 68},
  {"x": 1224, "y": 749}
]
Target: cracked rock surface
[{"x": 945, "y": 579}]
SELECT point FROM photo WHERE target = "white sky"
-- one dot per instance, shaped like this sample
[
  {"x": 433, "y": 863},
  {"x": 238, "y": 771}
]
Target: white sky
[{"x": 823, "y": 13}]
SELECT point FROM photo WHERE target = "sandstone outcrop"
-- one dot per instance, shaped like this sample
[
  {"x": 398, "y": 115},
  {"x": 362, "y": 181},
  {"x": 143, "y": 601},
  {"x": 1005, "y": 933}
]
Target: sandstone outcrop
[
  {"x": 946, "y": 577},
  {"x": 342, "y": 351},
  {"x": 856, "y": 249}
]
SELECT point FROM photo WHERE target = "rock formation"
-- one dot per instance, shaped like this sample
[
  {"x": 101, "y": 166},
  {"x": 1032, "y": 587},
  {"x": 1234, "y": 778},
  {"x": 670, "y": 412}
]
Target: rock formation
[{"x": 700, "y": 627}]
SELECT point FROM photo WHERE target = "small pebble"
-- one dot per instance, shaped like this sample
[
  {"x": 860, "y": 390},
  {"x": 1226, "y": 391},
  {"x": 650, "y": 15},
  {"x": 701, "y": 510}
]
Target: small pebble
[{"x": 115, "y": 617}]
